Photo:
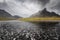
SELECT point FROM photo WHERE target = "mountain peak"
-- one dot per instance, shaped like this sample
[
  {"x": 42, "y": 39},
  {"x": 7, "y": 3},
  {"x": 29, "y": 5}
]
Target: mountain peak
[
  {"x": 45, "y": 13},
  {"x": 44, "y": 9}
]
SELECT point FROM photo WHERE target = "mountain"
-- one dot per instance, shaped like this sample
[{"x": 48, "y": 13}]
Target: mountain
[
  {"x": 3, "y": 13},
  {"x": 16, "y": 16},
  {"x": 45, "y": 13}
]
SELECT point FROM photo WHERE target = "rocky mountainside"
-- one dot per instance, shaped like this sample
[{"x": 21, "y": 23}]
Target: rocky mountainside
[
  {"x": 45, "y": 13},
  {"x": 3, "y": 13}
]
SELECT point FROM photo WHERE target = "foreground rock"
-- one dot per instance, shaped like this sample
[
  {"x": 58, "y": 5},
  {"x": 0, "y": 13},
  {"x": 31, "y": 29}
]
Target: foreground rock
[{"x": 25, "y": 31}]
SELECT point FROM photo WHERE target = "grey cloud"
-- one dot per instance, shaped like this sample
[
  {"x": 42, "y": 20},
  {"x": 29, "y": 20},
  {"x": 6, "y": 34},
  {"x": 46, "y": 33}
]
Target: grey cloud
[
  {"x": 54, "y": 5},
  {"x": 38, "y": 2},
  {"x": 20, "y": 0},
  {"x": 57, "y": 6},
  {"x": 51, "y": 4},
  {"x": 43, "y": 2}
]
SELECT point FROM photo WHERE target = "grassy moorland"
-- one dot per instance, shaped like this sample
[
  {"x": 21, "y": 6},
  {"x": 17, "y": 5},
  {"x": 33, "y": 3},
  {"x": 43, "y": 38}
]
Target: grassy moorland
[
  {"x": 34, "y": 19},
  {"x": 6, "y": 18}
]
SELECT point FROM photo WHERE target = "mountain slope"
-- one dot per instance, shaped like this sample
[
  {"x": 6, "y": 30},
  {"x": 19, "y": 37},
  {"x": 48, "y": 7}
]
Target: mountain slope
[
  {"x": 45, "y": 13},
  {"x": 3, "y": 13}
]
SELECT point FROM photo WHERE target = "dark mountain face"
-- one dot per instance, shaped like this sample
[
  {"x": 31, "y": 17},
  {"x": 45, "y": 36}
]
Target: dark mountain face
[
  {"x": 3, "y": 13},
  {"x": 45, "y": 13}
]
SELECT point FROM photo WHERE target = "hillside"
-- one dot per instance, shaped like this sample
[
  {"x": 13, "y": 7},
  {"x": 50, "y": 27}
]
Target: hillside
[
  {"x": 45, "y": 13},
  {"x": 6, "y": 16},
  {"x": 3, "y": 13}
]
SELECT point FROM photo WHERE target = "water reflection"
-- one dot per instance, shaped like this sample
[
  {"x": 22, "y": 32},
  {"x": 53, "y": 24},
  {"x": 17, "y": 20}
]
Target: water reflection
[{"x": 28, "y": 31}]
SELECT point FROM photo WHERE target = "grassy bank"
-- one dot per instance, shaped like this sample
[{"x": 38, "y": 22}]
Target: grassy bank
[
  {"x": 6, "y": 18},
  {"x": 40, "y": 19}
]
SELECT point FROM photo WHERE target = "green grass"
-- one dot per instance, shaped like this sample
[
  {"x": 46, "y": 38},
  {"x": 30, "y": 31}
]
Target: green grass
[
  {"x": 6, "y": 18},
  {"x": 39, "y": 18}
]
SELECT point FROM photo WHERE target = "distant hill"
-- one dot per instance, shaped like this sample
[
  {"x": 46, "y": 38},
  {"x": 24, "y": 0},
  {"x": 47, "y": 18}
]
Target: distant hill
[
  {"x": 16, "y": 16},
  {"x": 45, "y": 13},
  {"x": 3, "y": 13}
]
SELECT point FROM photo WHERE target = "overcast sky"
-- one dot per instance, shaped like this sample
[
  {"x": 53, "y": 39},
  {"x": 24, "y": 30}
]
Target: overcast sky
[{"x": 26, "y": 8}]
